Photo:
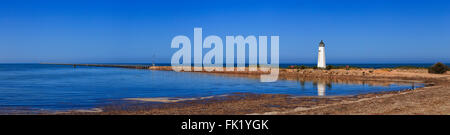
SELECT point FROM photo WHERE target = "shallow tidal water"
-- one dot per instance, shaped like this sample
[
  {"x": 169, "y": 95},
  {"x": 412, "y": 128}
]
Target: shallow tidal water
[{"x": 62, "y": 87}]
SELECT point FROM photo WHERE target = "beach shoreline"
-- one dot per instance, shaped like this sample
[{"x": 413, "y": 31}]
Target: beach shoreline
[{"x": 425, "y": 100}]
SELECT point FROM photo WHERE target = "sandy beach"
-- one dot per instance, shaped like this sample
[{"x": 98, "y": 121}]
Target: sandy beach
[{"x": 431, "y": 99}]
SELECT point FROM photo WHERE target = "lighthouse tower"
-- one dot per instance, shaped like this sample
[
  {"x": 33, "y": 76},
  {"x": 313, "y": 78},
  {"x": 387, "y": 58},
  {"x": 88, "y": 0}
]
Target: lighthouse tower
[{"x": 321, "y": 59}]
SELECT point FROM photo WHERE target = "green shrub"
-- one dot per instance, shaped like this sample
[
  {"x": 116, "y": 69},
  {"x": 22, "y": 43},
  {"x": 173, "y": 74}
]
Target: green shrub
[
  {"x": 408, "y": 67},
  {"x": 302, "y": 67},
  {"x": 329, "y": 67},
  {"x": 438, "y": 68}
]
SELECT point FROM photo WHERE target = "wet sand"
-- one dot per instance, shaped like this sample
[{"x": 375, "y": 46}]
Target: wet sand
[{"x": 432, "y": 99}]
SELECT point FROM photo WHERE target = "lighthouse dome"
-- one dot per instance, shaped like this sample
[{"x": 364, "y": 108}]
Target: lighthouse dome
[{"x": 321, "y": 44}]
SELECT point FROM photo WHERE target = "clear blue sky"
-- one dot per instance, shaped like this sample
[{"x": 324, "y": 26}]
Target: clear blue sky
[{"x": 88, "y": 31}]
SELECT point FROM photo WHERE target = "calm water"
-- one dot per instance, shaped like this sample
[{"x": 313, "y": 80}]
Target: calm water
[{"x": 58, "y": 87}]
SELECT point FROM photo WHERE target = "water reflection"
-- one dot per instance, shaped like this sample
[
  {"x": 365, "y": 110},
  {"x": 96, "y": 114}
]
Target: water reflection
[
  {"x": 312, "y": 86},
  {"x": 324, "y": 86},
  {"x": 321, "y": 86},
  {"x": 321, "y": 89}
]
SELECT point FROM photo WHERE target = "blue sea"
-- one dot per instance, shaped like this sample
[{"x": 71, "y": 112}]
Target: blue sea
[{"x": 62, "y": 87}]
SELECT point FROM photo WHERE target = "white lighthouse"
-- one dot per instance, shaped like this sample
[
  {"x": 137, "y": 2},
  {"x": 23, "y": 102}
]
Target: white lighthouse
[{"x": 321, "y": 59}]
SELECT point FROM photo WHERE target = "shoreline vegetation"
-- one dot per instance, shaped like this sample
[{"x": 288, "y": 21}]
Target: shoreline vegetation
[
  {"x": 434, "y": 98},
  {"x": 348, "y": 67}
]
